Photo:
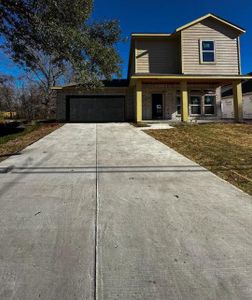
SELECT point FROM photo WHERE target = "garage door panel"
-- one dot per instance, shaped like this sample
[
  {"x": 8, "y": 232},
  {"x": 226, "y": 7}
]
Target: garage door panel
[{"x": 96, "y": 109}]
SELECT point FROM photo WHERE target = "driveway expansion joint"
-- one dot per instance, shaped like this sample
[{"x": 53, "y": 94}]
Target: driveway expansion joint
[
  {"x": 7, "y": 169},
  {"x": 96, "y": 218}
]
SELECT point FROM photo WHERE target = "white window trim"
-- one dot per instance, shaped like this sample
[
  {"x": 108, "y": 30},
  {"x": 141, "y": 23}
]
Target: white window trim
[
  {"x": 201, "y": 52},
  {"x": 200, "y": 105},
  {"x": 214, "y": 105}
]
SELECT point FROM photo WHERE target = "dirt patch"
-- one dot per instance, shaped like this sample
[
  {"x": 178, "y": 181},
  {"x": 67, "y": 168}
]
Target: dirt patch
[{"x": 224, "y": 149}]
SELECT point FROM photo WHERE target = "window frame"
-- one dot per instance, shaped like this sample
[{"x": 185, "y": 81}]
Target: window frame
[
  {"x": 213, "y": 105},
  {"x": 212, "y": 51},
  {"x": 201, "y": 95},
  {"x": 190, "y": 105}
]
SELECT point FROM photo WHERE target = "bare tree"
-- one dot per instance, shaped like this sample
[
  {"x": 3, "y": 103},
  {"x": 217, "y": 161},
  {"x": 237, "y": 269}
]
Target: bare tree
[
  {"x": 46, "y": 74},
  {"x": 7, "y": 93},
  {"x": 34, "y": 98},
  {"x": 29, "y": 102}
]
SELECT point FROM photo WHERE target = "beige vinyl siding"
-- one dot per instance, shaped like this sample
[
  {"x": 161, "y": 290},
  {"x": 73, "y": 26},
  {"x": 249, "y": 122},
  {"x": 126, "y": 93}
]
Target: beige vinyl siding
[
  {"x": 158, "y": 56},
  {"x": 226, "y": 44}
]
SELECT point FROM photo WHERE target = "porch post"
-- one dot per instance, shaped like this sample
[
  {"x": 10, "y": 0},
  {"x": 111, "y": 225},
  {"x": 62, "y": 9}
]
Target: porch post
[
  {"x": 237, "y": 92},
  {"x": 184, "y": 101},
  {"x": 139, "y": 105}
]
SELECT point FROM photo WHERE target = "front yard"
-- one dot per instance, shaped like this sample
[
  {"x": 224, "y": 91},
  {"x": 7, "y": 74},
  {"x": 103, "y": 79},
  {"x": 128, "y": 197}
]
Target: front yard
[
  {"x": 224, "y": 149},
  {"x": 12, "y": 143}
]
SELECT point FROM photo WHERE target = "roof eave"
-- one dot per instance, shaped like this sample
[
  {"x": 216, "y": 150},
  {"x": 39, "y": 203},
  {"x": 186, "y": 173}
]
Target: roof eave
[
  {"x": 133, "y": 35},
  {"x": 212, "y": 16},
  {"x": 182, "y": 76}
]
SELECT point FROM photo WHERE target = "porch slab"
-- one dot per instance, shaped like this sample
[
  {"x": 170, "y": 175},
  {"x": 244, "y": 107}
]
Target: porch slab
[{"x": 156, "y": 126}]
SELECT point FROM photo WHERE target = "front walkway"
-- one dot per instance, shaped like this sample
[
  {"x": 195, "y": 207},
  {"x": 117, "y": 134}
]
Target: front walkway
[{"x": 104, "y": 211}]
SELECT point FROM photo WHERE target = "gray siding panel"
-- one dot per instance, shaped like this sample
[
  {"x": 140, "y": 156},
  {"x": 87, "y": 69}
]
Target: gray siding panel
[{"x": 227, "y": 54}]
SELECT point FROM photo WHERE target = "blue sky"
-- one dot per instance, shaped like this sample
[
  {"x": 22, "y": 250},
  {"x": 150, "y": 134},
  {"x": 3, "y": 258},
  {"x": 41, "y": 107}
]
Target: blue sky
[{"x": 165, "y": 16}]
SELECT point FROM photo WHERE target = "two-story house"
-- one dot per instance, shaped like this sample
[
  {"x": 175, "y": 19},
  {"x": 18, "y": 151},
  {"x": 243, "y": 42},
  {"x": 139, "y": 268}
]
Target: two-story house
[{"x": 175, "y": 76}]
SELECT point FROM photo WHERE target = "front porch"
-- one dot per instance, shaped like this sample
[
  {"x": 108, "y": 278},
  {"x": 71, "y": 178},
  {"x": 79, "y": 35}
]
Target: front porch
[{"x": 183, "y": 98}]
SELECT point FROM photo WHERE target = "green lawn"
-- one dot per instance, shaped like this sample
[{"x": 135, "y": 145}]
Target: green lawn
[{"x": 224, "y": 149}]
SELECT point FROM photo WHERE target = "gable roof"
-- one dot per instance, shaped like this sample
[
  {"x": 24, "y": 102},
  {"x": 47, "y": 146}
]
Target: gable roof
[{"x": 210, "y": 15}]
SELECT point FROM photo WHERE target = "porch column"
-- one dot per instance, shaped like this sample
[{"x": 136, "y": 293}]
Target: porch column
[
  {"x": 184, "y": 101},
  {"x": 139, "y": 101},
  {"x": 237, "y": 92}
]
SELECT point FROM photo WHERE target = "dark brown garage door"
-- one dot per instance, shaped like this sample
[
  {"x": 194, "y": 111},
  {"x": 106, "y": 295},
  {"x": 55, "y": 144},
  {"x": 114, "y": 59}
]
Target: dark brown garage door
[{"x": 95, "y": 108}]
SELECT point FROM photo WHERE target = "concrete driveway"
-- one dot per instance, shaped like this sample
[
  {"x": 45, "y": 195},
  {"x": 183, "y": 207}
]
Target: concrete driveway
[{"x": 106, "y": 212}]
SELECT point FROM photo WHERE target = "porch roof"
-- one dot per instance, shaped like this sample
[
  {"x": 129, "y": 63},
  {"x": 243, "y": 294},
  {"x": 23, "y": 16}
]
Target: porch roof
[{"x": 196, "y": 78}]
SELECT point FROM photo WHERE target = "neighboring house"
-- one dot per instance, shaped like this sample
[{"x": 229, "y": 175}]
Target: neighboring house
[
  {"x": 174, "y": 76},
  {"x": 227, "y": 101},
  {"x": 8, "y": 114}
]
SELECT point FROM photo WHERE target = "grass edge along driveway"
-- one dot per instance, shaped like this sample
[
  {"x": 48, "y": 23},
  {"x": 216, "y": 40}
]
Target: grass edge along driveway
[
  {"x": 224, "y": 149},
  {"x": 13, "y": 143}
]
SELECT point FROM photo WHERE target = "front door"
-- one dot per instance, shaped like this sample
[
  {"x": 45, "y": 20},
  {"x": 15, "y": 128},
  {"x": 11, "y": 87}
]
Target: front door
[{"x": 157, "y": 106}]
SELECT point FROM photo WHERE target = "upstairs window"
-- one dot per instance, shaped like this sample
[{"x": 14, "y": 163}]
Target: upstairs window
[{"x": 207, "y": 51}]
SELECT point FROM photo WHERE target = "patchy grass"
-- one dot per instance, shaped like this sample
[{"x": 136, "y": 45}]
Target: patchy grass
[
  {"x": 224, "y": 149},
  {"x": 12, "y": 143},
  {"x": 14, "y": 133}
]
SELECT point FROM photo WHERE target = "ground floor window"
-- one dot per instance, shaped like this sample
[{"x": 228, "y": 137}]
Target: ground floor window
[
  {"x": 195, "y": 105},
  {"x": 200, "y": 102},
  {"x": 209, "y": 104}
]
